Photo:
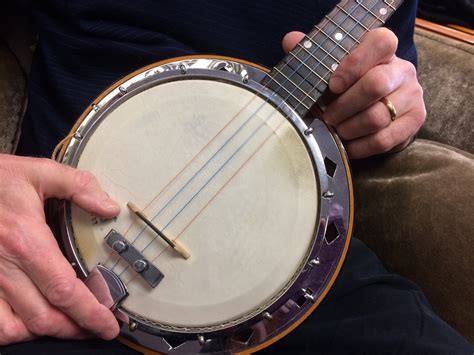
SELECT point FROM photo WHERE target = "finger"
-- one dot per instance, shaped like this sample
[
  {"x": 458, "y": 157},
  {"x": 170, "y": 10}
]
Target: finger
[
  {"x": 291, "y": 39},
  {"x": 43, "y": 262},
  {"x": 12, "y": 329},
  {"x": 377, "y": 47},
  {"x": 375, "y": 118},
  {"x": 375, "y": 84},
  {"x": 398, "y": 133},
  {"x": 39, "y": 317},
  {"x": 81, "y": 187}
]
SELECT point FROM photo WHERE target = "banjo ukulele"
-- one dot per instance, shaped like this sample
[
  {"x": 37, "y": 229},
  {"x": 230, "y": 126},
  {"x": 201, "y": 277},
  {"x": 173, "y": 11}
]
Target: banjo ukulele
[{"x": 236, "y": 214}]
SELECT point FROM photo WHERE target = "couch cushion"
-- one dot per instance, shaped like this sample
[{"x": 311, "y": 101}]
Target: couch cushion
[{"x": 12, "y": 99}]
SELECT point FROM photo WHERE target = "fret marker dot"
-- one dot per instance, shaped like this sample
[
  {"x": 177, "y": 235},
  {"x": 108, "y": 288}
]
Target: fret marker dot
[
  {"x": 334, "y": 67},
  {"x": 307, "y": 44},
  {"x": 383, "y": 11},
  {"x": 338, "y": 36}
]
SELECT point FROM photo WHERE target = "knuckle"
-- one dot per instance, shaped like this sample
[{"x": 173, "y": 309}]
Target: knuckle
[
  {"x": 83, "y": 179},
  {"x": 377, "y": 84},
  {"x": 421, "y": 91},
  {"x": 41, "y": 324},
  {"x": 350, "y": 67},
  {"x": 422, "y": 116},
  {"x": 15, "y": 244},
  {"x": 381, "y": 142},
  {"x": 376, "y": 118},
  {"x": 10, "y": 332},
  {"x": 386, "y": 42},
  {"x": 409, "y": 68},
  {"x": 419, "y": 110},
  {"x": 353, "y": 59},
  {"x": 60, "y": 293}
]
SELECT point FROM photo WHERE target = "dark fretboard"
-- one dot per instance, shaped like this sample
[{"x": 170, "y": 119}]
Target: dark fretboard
[{"x": 303, "y": 75}]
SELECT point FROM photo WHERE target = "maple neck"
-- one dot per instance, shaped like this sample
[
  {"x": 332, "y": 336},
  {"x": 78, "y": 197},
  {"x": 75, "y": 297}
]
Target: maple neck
[{"x": 303, "y": 75}]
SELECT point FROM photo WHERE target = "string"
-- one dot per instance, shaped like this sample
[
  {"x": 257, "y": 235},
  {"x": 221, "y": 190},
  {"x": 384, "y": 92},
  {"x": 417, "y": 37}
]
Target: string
[{"x": 320, "y": 62}]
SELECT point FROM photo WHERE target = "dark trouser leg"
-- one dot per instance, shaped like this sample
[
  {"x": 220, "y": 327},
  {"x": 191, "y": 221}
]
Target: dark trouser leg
[{"x": 370, "y": 311}]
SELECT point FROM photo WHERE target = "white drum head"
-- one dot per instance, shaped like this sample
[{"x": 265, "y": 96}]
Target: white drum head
[{"x": 219, "y": 169}]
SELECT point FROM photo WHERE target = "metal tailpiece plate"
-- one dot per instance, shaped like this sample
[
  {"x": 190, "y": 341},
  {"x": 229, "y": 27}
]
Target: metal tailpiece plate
[{"x": 134, "y": 258}]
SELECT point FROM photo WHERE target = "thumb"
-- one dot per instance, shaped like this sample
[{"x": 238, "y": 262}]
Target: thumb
[
  {"x": 291, "y": 39},
  {"x": 53, "y": 179}
]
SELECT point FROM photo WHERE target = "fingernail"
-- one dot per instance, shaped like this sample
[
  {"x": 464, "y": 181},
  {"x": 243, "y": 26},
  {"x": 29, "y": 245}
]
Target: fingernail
[
  {"x": 111, "y": 206},
  {"x": 337, "y": 84}
]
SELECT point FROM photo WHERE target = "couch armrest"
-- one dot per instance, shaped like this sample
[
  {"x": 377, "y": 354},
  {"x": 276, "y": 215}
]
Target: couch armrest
[{"x": 446, "y": 73}]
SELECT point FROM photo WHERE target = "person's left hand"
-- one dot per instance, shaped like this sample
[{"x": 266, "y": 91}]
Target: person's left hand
[{"x": 365, "y": 76}]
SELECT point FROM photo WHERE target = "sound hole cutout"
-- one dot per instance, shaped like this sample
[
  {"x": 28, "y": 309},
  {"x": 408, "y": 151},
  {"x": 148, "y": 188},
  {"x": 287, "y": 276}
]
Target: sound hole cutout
[{"x": 330, "y": 167}]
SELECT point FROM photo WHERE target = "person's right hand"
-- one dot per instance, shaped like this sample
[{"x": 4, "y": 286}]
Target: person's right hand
[{"x": 40, "y": 294}]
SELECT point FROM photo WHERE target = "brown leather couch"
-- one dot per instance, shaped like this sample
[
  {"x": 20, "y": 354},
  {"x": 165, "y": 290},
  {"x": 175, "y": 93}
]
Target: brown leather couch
[{"x": 415, "y": 209}]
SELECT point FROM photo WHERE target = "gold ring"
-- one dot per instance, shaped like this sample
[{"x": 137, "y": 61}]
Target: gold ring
[{"x": 391, "y": 109}]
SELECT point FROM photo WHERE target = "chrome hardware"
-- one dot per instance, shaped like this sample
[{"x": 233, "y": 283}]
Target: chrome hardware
[
  {"x": 328, "y": 194},
  {"x": 245, "y": 76},
  {"x": 314, "y": 262},
  {"x": 134, "y": 258},
  {"x": 308, "y": 295},
  {"x": 267, "y": 315},
  {"x": 140, "y": 265},
  {"x": 119, "y": 246},
  {"x": 133, "y": 326}
]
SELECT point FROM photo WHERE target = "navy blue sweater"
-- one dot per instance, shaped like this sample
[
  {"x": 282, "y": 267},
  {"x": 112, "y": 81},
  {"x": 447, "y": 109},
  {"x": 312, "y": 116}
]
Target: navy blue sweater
[{"x": 86, "y": 45}]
